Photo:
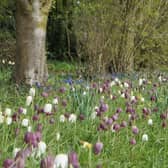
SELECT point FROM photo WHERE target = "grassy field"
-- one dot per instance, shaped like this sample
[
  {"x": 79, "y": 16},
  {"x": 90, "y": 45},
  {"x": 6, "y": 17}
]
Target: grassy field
[{"x": 115, "y": 123}]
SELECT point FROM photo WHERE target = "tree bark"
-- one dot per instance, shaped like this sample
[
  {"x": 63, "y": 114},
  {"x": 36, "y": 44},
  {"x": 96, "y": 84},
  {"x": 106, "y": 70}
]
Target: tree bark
[{"x": 31, "y": 22}]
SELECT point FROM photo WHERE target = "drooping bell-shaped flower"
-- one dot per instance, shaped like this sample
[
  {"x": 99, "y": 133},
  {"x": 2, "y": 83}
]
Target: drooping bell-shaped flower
[
  {"x": 29, "y": 100},
  {"x": 144, "y": 137},
  {"x": 72, "y": 118},
  {"x": 97, "y": 148},
  {"x": 32, "y": 92},
  {"x": 25, "y": 122},
  {"x": 47, "y": 162},
  {"x": 41, "y": 148},
  {"x": 150, "y": 122},
  {"x": 61, "y": 161},
  {"x": 47, "y": 108},
  {"x": 135, "y": 129},
  {"x": 133, "y": 141},
  {"x": 55, "y": 101},
  {"x": 8, "y": 163},
  {"x": 8, "y": 112},
  {"x": 73, "y": 160}
]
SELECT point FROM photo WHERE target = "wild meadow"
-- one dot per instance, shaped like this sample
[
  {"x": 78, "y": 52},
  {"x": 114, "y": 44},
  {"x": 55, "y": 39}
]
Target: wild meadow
[
  {"x": 84, "y": 84},
  {"x": 114, "y": 122}
]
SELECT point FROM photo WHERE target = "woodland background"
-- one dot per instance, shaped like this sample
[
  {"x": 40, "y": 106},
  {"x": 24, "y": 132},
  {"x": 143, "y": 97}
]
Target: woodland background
[{"x": 101, "y": 35}]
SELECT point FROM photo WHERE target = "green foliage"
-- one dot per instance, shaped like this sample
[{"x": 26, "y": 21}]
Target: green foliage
[
  {"x": 7, "y": 31},
  {"x": 61, "y": 67},
  {"x": 151, "y": 36},
  {"x": 7, "y": 9},
  {"x": 115, "y": 36},
  {"x": 117, "y": 151},
  {"x": 121, "y": 35},
  {"x": 60, "y": 37}
]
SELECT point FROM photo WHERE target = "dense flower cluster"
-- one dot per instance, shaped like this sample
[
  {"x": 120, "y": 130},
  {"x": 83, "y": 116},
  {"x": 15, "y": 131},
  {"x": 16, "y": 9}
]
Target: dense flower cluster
[{"x": 111, "y": 107}]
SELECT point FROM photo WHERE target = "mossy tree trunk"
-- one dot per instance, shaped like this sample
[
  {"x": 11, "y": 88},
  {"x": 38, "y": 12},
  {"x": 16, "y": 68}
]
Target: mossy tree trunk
[{"x": 31, "y": 22}]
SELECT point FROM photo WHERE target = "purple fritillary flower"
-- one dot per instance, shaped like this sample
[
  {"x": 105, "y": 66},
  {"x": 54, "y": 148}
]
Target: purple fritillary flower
[
  {"x": 134, "y": 116},
  {"x": 116, "y": 127},
  {"x": 103, "y": 126},
  {"x": 73, "y": 159},
  {"x": 103, "y": 107},
  {"x": 97, "y": 148},
  {"x": 123, "y": 124},
  {"x": 47, "y": 162},
  {"x": 109, "y": 121},
  {"x": 164, "y": 124},
  {"x": 133, "y": 141},
  {"x": 129, "y": 109},
  {"x": 66, "y": 115},
  {"x": 20, "y": 110},
  {"x": 8, "y": 163},
  {"x": 114, "y": 97},
  {"x": 20, "y": 160},
  {"x": 15, "y": 117},
  {"x": 119, "y": 110},
  {"x": 35, "y": 117},
  {"x": 163, "y": 116},
  {"x": 153, "y": 98},
  {"x": 115, "y": 117},
  {"x": 135, "y": 129},
  {"x": 81, "y": 117},
  {"x": 145, "y": 111},
  {"x": 26, "y": 152},
  {"x": 32, "y": 138},
  {"x": 64, "y": 103},
  {"x": 62, "y": 90}
]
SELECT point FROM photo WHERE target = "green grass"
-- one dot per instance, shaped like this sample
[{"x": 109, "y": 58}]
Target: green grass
[
  {"x": 61, "y": 66},
  {"x": 117, "y": 151}
]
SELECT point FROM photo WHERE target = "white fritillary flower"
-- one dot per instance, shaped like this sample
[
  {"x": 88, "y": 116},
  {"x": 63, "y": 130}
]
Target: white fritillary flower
[
  {"x": 62, "y": 118},
  {"x": 29, "y": 100},
  {"x": 144, "y": 137},
  {"x": 41, "y": 148},
  {"x": 55, "y": 101},
  {"x": 8, "y": 120},
  {"x": 47, "y": 108},
  {"x": 61, "y": 161},
  {"x": 72, "y": 118},
  {"x": 25, "y": 122},
  {"x": 8, "y": 112},
  {"x": 32, "y": 92},
  {"x": 150, "y": 122}
]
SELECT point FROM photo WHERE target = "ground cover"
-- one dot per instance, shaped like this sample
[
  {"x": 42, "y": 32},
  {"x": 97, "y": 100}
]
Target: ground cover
[{"x": 116, "y": 122}]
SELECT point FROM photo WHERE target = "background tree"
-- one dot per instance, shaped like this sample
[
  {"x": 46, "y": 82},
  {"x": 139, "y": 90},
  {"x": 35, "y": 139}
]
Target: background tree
[
  {"x": 7, "y": 31},
  {"x": 107, "y": 36},
  {"x": 60, "y": 37},
  {"x": 31, "y": 22},
  {"x": 121, "y": 35}
]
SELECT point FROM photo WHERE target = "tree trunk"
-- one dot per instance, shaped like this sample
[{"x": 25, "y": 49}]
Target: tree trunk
[{"x": 31, "y": 21}]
